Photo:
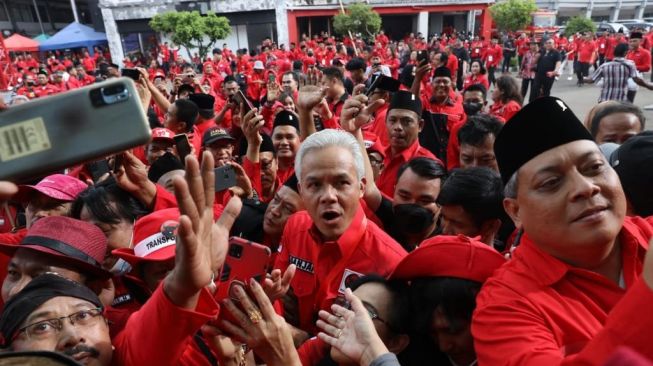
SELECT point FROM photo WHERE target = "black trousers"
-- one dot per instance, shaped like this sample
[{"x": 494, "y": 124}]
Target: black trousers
[
  {"x": 541, "y": 87},
  {"x": 505, "y": 67},
  {"x": 582, "y": 71},
  {"x": 490, "y": 75}
]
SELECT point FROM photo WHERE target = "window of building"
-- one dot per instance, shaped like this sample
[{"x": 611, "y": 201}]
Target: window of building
[{"x": 22, "y": 13}]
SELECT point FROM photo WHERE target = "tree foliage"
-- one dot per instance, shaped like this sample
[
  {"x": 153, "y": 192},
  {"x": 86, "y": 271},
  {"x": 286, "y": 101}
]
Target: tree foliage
[
  {"x": 192, "y": 30},
  {"x": 358, "y": 18},
  {"x": 579, "y": 24},
  {"x": 513, "y": 15}
]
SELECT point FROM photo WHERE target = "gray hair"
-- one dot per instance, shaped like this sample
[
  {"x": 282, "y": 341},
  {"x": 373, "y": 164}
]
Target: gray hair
[
  {"x": 510, "y": 190},
  {"x": 328, "y": 138}
]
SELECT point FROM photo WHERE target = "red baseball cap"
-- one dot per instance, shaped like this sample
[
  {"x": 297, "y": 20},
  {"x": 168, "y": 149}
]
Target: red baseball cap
[
  {"x": 450, "y": 256},
  {"x": 372, "y": 143},
  {"x": 58, "y": 186},
  {"x": 163, "y": 134},
  {"x": 155, "y": 237},
  {"x": 159, "y": 74},
  {"x": 74, "y": 242}
]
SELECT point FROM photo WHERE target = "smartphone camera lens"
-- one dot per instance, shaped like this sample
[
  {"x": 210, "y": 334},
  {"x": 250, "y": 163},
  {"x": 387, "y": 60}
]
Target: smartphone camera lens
[
  {"x": 235, "y": 251},
  {"x": 114, "y": 94}
]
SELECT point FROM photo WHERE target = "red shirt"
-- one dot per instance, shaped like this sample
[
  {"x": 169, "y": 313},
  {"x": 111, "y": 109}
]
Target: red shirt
[
  {"x": 324, "y": 268},
  {"x": 504, "y": 112},
  {"x": 45, "y": 90},
  {"x": 641, "y": 58},
  {"x": 602, "y": 45},
  {"x": 523, "y": 45},
  {"x": 476, "y": 49},
  {"x": 452, "y": 65},
  {"x": 538, "y": 310},
  {"x": 586, "y": 50},
  {"x": 478, "y": 79},
  {"x": 391, "y": 164},
  {"x": 492, "y": 55}
]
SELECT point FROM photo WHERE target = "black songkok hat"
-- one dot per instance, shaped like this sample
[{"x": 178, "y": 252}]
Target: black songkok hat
[
  {"x": 636, "y": 35},
  {"x": 442, "y": 71},
  {"x": 541, "y": 125},
  {"x": 164, "y": 164},
  {"x": 203, "y": 101},
  {"x": 266, "y": 145},
  {"x": 403, "y": 99},
  {"x": 285, "y": 118},
  {"x": 631, "y": 161},
  {"x": 36, "y": 293}
]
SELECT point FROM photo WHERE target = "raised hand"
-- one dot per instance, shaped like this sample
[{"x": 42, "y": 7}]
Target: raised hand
[
  {"x": 201, "y": 244},
  {"x": 356, "y": 113},
  {"x": 251, "y": 124},
  {"x": 351, "y": 331},
  {"x": 311, "y": 92},
  {"x": 277, "y": 285},
  {"x": 273, "y": 92}
]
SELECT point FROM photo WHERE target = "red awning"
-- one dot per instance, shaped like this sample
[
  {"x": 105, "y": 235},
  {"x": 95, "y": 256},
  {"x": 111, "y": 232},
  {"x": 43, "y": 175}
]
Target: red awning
[{"x": 18, "y": 43}]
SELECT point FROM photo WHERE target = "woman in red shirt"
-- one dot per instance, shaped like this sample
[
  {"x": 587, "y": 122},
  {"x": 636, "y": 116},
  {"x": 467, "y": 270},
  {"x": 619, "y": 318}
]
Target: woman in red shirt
[
  {"x": 477, "y": 75},
  {"x": 507, "y": 98}
]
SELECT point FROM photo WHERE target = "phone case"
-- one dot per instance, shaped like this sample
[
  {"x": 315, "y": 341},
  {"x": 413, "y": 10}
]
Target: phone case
[
  {"x": 225, "y": 177},
  {"x": 63, "y": 130},
  {"x": 183, "y": 146},
  {"x": 245, "y": 260}
]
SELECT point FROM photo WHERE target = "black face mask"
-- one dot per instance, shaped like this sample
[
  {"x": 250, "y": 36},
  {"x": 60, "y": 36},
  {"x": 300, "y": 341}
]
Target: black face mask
[
  {"x": 472, "y": 108},
  {"x": 412, "y": 219}
]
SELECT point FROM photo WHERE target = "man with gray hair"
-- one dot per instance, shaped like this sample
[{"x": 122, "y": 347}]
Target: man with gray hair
[{"x": 331, "y": 243}]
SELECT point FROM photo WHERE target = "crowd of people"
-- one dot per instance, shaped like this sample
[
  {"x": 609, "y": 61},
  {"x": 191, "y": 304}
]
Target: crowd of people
[{"x": 409, "y": 220}]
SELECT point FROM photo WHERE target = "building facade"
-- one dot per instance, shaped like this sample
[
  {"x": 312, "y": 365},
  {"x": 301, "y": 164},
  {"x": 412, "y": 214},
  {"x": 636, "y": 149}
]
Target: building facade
[
  {"x": 598, "y": 10},
  {"x": 31, "y": 18},
  {"x": 127, "y": 28}
]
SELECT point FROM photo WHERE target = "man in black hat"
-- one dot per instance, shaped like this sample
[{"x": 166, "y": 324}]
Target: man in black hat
[
  {"x": 403, "y": 123},
  {"x": 206, "y": 113},
  {"x": 442, "y": 114},
  {"x": 285, "y": 138},
  {"x": 641, "y": 58},
  {"x": 576, "y": 284},
  {"x": 220, "y": 144}
]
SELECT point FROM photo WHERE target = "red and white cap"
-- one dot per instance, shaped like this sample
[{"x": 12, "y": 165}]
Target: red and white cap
[
  {"x": 162, "y": 134},
  {"x": 155, "y": 237}
]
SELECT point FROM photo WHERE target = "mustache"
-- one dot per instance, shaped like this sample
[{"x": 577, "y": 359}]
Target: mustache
[{"x": 93, "y": 352}]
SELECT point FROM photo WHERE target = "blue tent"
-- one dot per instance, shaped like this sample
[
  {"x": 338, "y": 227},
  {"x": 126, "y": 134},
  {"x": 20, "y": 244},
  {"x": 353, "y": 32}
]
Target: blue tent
[{"x": 74, "y": 35}]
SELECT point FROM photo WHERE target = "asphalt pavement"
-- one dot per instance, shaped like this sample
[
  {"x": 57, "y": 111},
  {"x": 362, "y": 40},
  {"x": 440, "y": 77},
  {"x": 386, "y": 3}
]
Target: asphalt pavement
[{"x": 582, "y": 99}]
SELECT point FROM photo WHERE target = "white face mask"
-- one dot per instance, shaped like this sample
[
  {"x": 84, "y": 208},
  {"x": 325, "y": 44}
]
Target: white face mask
[{"x": 121, "y": 266}]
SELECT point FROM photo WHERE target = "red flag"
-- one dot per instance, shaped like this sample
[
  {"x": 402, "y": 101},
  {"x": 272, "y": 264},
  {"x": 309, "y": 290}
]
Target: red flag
[{"x": 4, "y": 63}]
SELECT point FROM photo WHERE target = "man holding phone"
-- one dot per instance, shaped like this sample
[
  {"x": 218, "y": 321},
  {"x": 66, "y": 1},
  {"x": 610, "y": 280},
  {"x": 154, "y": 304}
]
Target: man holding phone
[{"x": 220, "y": 144}]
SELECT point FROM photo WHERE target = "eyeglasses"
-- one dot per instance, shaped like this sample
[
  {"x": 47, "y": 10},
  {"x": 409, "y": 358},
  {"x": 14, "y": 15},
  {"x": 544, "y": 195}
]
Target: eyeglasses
[
  {"x": 371, "y": 311},
  {"x": 48, "y": 328}
]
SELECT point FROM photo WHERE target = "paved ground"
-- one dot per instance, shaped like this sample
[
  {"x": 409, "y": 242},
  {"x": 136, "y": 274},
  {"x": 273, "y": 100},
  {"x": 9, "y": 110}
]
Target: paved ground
[{"x": 582, "y": 99}]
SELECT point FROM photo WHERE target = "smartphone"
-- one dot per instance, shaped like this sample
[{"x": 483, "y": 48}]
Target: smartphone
[
  {"x": 422, "y": 57},
  {"x": 240, "y": 98},
  {"x": 131, "y": 73},
  {"x": 57, "y": 132},
  {"x": 98, "y": 169},
  {"x": 383, "y": 82},
  {"x": 117, "y": 163},
  {"x": 272, "y": 78},
  {"x": 225, "y": 177},
  {"x": 245, "y": 260},
  {"x": 183, "y": 146}
]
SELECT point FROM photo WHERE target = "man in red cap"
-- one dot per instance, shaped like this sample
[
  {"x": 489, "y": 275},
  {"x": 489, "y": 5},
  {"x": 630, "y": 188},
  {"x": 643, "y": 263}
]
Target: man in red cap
[
  {"x": 446, "y": 273},
  {"x": 576, "y": 285},
  {"x": 162, "y": 142}
]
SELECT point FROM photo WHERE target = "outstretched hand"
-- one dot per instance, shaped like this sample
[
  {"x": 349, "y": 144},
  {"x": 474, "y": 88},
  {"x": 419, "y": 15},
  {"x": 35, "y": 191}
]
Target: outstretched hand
[
  {"x": 356, "y": 112},
  {"x": 311, "y": 93},
  {"x": 201, "y": 244}
]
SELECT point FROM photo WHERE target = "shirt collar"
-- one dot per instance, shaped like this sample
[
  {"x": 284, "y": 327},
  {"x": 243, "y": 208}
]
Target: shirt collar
[
  {"x": 350, "y": 237},
  {"x": 550, "y": 269},
  {"x": 406, "y": 154}
]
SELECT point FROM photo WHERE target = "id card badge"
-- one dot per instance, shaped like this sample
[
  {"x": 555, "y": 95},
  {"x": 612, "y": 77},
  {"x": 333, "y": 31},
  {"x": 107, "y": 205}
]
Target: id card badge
[
  {"x": 602, "y": 46},
  {"x": 490, "y": 58}
]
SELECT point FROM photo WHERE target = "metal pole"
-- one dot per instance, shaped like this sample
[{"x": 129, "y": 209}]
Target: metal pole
[
  {"x": 38, "y": 16},
  {"x": 74, "y": 8}
]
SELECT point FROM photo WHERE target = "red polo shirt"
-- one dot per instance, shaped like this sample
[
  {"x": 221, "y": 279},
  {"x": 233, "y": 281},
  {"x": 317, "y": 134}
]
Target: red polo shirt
[
  {"x": 538, "y": 310},
  {"x": 325, "y": 268},
  {"x": 586, "y": 51},
  {"x": 391, "y": 164},
  {"x": 504, "y": 112},
  {"x": 641, "y": 58}
]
